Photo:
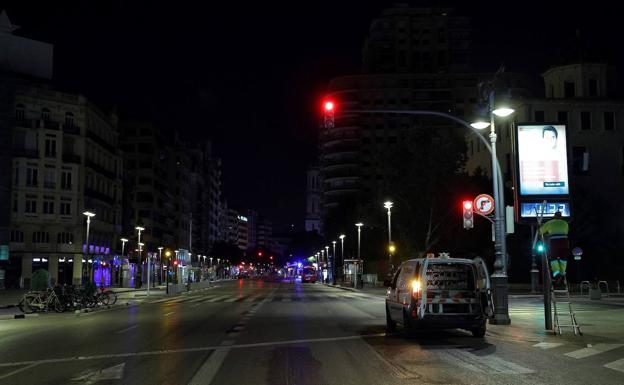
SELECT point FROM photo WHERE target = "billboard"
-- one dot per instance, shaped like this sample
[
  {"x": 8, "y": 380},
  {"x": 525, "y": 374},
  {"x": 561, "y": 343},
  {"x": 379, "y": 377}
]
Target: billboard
[{"x": 542, "y": 160}]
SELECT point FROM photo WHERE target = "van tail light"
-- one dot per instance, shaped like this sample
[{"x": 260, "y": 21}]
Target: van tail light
[{"x": 415, "y": 287}]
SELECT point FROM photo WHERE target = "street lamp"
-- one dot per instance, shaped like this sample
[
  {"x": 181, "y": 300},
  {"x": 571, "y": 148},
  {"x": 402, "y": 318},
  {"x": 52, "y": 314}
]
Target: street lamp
[
  {"x": 327, "y": 260},
  {"x": 78, "y": 266},
  {"x": 160, "y": 248},
  {"x": 499, "y": 277},
  {"x": 139, "y": 229},
  {"x": 333, "y": 263},
  {"x": 123, "y": 246},
  {"x": 342, "y": 237},
  {"x": 359, "y": 230},
  {"x": 388, "y": 205},
  {"x": 167, "y": 255}
]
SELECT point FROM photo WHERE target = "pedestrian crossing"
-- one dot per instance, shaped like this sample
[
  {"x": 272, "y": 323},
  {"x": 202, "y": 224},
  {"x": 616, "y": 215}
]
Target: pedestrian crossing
[
  {"x": 599, "y": 350},
  {"x": 285, "y": 298}
]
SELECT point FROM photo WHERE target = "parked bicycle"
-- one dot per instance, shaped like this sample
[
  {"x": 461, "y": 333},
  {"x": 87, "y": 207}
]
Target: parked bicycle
[{"x": 34, "y": 301}]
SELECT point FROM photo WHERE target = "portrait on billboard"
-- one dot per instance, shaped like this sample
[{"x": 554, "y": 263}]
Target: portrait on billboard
[{"x": 542, "y": 159}]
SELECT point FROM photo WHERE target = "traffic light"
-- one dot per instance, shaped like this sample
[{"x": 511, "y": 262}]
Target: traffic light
[
  {"x": 259, "y": 253},
  {"x": 328, "y": 114},
  {"x": 175, "y": 263},
  {"x": 539, "y": 247},
  {"x": 468, "y": 215}
]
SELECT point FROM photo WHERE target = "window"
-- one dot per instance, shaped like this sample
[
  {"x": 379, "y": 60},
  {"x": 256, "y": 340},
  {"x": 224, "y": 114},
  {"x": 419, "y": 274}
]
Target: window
[
  {"x": 580, "y": 161},
  {"x": 568, "y": 89},
  {"x": 49, "y": 177},
  {"x": 65, "y": 207},
  {"x": 585, "y": 120},
  {"x": 31, "y": 177},
  {"x": 48, "y": 205},
  {"x": 539, "y": 116},
  {"x": 69, "y": 120},
  {"x": 20, "y": 112},
  {"x": 65, "y": 238},
  {"x": 30, "y": 206},
  {"x": 50, "y": 146},
  {"x": 45, "y": 115},
  {"x": 593, "y": 87},
  {"x": 562, "y": 116},
  {"x": 609, "y": 120},
  {"x": 17, "y": 236},
  {"x": 41, "y": 237},
  {"x": 66, "y": 180}
]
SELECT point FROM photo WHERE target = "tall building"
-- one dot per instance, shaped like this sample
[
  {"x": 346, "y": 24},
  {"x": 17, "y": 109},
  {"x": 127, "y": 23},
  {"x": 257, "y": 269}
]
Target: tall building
[
  {"x": 409, "y": 39},
  {"x": 237, "y": 229},
  {"x": 61, "y": 156},
  {"x": 313, "y": 201}
]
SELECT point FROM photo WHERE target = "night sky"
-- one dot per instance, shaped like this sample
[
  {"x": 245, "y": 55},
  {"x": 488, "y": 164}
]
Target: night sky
[{"x": 249, "y": 76}]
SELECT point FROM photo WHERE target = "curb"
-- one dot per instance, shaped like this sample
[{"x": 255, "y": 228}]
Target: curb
[{"x": 18, "y": 316}]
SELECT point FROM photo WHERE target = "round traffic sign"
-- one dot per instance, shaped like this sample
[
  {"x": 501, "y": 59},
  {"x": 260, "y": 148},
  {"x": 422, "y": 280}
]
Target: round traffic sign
[{"x": 484, "y": 204}]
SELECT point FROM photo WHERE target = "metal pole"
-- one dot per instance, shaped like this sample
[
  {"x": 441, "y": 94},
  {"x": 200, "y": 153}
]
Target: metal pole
[
  {"x": 332, "y": 264},
  {"x": 357, "y": 265},
  {"x": 499, "y": 277},
  {"x": 123, "y": 244},
  {"x": 546, "y": 289},
  {"x": 534, "y": 269},
  {"x": 87, "y": 248},
  {"x": 389, "y": 241}
]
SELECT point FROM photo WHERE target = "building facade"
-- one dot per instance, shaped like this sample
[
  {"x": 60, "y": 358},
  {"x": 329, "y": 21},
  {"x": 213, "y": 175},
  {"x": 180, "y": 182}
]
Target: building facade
[{"x": 313, "y": 201}]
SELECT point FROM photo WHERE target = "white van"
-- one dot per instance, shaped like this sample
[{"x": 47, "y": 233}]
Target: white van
[{"x": 441, "y": 293}]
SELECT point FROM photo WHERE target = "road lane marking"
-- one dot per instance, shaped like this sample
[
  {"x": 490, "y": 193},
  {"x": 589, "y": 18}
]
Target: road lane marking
[
  {"x": 596, "y": 349},
  {"x": 218, "y": 298},
  {"x": 232, "y": 299},
  {"x": 616, "y": 365},
  {"x": 547, "y": 345},
  {"x": 166, "y": 314},
  {"x": 112, "y": 373},
  {"x": 187, "y": 350},
  {"x": 127, "y": 329},
  {"x": 480, "y": 364},
  {"x": 206, "y": 373},
  {"x": 7, "y": 375}
]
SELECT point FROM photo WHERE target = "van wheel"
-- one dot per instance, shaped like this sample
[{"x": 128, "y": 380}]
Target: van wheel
[
  {"x": 479, "y": 331},
  {"x": 390, "y": 324},
  {"x": 408, "y": 328}
]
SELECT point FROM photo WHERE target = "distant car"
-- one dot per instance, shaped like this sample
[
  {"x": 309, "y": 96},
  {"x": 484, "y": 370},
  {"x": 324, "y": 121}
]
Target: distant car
[
  {"x": 308, "y": 274},
  {"x": 442, "y": 293}
]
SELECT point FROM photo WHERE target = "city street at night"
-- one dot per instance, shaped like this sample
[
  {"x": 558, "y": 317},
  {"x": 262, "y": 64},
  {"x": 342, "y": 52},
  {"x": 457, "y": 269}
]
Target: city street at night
[{"x": 256, "y": 332}]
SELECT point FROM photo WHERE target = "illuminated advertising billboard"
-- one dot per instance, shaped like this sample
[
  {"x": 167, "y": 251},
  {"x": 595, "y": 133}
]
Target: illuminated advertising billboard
[{"x": 542, "y": 159}]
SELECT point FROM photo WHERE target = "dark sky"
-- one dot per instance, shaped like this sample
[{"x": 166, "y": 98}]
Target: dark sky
[{"x": 249, "y": 75}]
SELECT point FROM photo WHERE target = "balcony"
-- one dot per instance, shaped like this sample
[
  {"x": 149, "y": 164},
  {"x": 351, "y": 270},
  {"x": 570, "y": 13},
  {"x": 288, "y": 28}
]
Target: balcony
[
  {"x": 94, "y": 137},
  {"x": 99, "y": 196},
  {"x": 99, "y": 169},
  {"x": 71, "y": 129},
  {"x": 342, "y": 146},
  {"x": 48, "y": 124},
  {"x": 72, "y": 158},
  {"x": 30, "y": 153},
  {"x": 341, "y": 173}
]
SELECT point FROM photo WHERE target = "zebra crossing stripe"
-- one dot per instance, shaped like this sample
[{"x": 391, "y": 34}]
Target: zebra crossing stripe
[
  {"x": 592, "y": 351},
  {"x": 487, "y": 364},
  {"x": 218, "y": 298},
  {"x": 253, "y": 298},
  {"x": 616, "y": 365},
  {"x": 232, "y": 299},
  {"x": 547, "y": 345},
  {"x": 161, "y": 300},
  {"x": 198, "y": 299}
]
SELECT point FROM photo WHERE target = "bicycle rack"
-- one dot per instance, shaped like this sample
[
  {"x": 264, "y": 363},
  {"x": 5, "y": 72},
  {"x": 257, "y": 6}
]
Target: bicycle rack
[{"x": 606, "y": 286}]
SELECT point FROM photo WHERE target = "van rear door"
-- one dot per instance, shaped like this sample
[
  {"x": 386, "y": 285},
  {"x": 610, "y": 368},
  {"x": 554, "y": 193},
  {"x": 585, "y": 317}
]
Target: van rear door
[{"x": 483, "y": 285}]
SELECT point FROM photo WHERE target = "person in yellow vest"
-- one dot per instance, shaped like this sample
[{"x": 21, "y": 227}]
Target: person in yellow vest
[{"x": 556, "y": 231}]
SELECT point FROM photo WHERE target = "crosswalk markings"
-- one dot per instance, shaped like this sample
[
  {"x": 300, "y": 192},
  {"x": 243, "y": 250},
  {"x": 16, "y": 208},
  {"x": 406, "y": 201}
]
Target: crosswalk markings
[
  {"x": 218, "y": 298},
  {"x": 591, "y": 351},
  {"x": 548, "y": 345},
  {"x": 480, "y": 364},
  {"x": 296, "y": 297},
  {"x": 616, "y": 365}
]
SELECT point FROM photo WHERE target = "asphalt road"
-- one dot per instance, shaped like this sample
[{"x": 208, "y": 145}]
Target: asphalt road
[{"x": 255, "y": 332}]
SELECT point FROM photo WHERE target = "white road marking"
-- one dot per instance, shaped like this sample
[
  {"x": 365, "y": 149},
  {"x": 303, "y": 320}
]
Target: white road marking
[
  {"x": 210, "y": 367},
  {"x": 112, "y": 373},
  {"x": 616, "y": 365},
  {"x": 547, "y": 345},
  {"x": 127, "y": 329},
  {"x": 7, "y": 375},
  {"x": 218, "y": 298},
  {"x": 252, "y": 298},
  {"x": 596, "y": 349},
  {"x": 198, "y": 299},
  {"x": 480, "y": 364},
  {"x": 232, "y": 299},
  {"x": 166, "y": 314}
]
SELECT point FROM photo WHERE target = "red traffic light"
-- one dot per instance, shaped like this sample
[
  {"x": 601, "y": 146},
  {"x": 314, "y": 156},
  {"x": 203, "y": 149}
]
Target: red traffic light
[
  {"x": 468, "y": 205},
  {"x": 328, "y": 105},
  {"x": 259, "y": 253},
  {"x": 175, "y": 263}
]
